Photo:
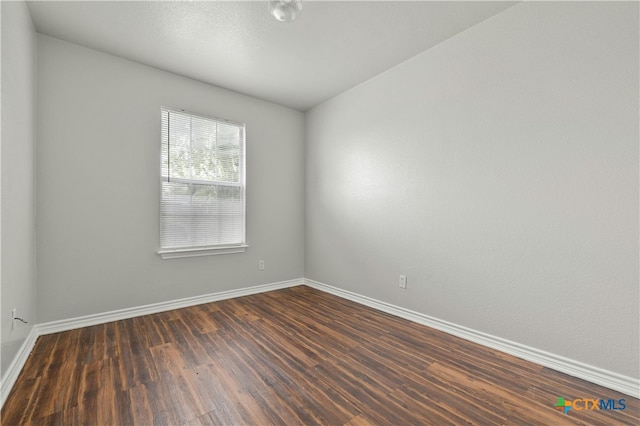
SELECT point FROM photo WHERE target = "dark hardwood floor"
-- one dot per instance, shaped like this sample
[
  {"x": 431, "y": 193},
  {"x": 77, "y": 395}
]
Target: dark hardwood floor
[{"x": 289, "y": 357}]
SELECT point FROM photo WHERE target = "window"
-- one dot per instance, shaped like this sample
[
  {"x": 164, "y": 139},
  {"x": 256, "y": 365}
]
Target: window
[{"x": 202, "y": 209}]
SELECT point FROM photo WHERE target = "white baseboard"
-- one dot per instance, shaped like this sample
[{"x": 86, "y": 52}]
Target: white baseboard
[
  {"x": 10, "y": 377},
  {"x": 154, "y": 308},
  {"x": 72, "y": 323},
  {"x": 608, "y": 379}
]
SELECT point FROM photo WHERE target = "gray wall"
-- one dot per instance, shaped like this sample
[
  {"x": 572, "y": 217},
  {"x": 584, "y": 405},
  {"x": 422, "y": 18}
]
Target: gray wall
[
  {"x": 499, "y": 172},
  {"x": 98, "y": 186},
  {"x": 18, "y": 282}
]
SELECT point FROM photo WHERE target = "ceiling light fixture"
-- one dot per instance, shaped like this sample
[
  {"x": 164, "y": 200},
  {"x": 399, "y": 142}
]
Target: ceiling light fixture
[{"x": 285, "y": 10}]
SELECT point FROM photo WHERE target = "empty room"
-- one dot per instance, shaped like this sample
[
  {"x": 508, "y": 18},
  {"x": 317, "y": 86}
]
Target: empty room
[{"x": 300, "y": 212}]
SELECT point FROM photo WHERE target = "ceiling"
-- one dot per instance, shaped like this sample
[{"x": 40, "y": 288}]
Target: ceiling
[{"x": 332, "y": 47}]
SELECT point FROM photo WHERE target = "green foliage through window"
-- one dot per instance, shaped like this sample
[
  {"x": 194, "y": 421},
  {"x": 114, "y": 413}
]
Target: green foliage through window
[{"x": 203, "y": 194}]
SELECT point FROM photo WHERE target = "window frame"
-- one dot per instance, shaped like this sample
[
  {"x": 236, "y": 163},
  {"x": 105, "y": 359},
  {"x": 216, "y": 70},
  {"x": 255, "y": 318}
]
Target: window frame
[{"x": 205, "y": 250}]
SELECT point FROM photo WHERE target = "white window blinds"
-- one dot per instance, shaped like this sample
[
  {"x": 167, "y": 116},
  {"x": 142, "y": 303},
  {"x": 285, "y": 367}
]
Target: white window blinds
[{"x": 203, "y": 182}]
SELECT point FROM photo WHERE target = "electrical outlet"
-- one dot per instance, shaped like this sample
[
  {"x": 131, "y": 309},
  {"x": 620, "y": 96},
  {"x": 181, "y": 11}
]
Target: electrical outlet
[
  {"x": 402, "y": 282},
  {"x": 14, "y": 314},
  {"x": 261, "y": 265}
]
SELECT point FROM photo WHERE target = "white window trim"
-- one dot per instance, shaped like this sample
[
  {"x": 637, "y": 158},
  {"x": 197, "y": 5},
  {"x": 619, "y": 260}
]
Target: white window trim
[
  {"x": 201, "y": 251},
  {"x": 182, "y": 252}
]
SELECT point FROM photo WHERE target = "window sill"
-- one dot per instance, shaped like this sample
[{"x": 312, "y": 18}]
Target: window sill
[{"x": 201, "y": 251}]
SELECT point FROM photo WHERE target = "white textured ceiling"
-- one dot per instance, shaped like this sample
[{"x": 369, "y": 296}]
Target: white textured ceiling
[{"x": 332, "y": 47}]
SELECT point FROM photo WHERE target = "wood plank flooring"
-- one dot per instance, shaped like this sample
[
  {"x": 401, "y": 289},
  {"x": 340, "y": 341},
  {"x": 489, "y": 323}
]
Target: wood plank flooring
[{"x": 291, "y": 357}]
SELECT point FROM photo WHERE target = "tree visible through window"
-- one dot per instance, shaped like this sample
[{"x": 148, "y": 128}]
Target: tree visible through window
[{"x": 203, "y": 187}]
